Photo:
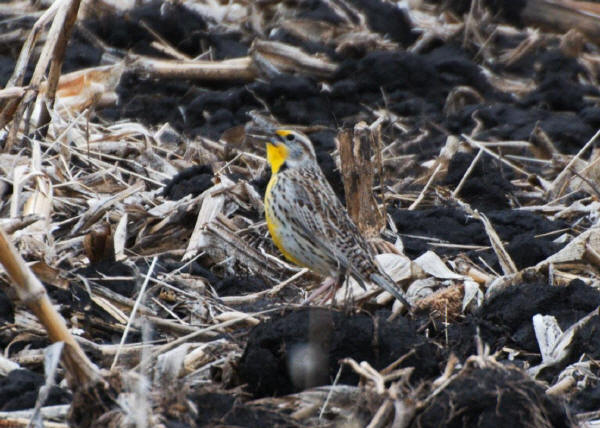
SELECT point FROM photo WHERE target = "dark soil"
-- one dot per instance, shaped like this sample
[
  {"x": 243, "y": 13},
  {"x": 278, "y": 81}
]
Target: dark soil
[
  {"x": 303, "y": 348},
  {"x": 19, "y": 390},
  {"x": 506, "y": 320},
  {"x": 519, "y": 229},
  {"x": 493, "y": 397},
  {"x": 224, "y": 409}
]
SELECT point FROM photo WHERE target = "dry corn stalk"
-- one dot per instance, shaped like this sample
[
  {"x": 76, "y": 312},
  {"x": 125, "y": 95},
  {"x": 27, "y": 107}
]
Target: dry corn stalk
[
  {"x": 81, "y": 371},
  {"x": 356, "y": 153}
]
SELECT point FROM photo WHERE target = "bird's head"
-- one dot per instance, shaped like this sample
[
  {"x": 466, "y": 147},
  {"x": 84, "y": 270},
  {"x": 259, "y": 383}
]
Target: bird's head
[{"x": 289, "y": 149}]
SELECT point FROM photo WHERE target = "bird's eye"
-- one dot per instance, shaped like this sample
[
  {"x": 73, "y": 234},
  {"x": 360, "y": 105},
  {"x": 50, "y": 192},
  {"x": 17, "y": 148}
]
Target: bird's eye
[{"x": 290, "y": 137}]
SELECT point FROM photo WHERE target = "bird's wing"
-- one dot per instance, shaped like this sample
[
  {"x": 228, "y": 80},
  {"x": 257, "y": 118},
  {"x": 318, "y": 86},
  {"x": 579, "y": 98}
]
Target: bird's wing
[
  {"x": 326, "y": 221},
  {"x": 322, "y": 218}
]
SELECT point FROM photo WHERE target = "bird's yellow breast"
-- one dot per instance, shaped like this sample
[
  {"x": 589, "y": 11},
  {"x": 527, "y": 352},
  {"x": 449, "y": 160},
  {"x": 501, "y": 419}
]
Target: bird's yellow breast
[{"x": 274, "y": 224}]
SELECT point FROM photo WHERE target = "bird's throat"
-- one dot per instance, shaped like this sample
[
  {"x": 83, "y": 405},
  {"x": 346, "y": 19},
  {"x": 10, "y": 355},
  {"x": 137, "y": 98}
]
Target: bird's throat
[{"x": 276, "y": 156}]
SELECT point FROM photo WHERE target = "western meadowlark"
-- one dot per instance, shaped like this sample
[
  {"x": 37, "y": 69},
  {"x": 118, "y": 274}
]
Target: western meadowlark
[{"x": 307, "y": 221}]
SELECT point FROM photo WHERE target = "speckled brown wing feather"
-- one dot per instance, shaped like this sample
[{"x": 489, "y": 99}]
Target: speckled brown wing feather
[
  {"x": 321, "y": 214},
  {"x": 329, "y": 240}
]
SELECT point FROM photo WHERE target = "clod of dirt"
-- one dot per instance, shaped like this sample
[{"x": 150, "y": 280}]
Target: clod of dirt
[
  {"x": 178, "y": 24},
  {"x": 493, "y": 397},
  {"x": 19, "y": 390},
  {"x": 103, "y": 271},
  {"x": 7, "y": 66},
  {"x": 454, "y": 226},
  {"x": 191, "y": 181},
  {"x": 503, "y": 121},
  {"x": 220, "y": 409},
  {"x": 506, "y": 319},
  {"x": 81, "y": 54},
  {"x": 235, "y": 286},
  {"x": 387, "y": 19},
  {"x": 301, "y": 349},
  {"x": 487, "y": 186},
  {"x": 7, "y": 309},
  {"x": 586, "y": 400},
  {"x": 587, "y": 340},
  {"x": 169, "y": 263}
]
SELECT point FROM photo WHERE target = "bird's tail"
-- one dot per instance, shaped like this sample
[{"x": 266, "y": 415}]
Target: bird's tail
[{"x": 388, "y": 285}]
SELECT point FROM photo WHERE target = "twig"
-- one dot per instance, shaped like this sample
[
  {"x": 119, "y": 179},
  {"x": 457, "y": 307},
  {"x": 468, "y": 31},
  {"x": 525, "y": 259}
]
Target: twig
[
  {"x": 480, "y": 146},
  {"x": 277, "y": 288},
  {"x": 287, "y": 58},
  {"x": 164, "y": 45},
  {"x": 330, "y": 393},
  {"x": 64, "y": 26},
  {"x": 557, "y": 185},
  {"x": 15, "y": 92},
  {"x": 381, "y": 414},
  {"x": 134, "y": 310},
  {"x": 252, "y": 297},
  {"x": 203, "y": 331},
  {"x": 417, "y": 201},
  {"x": 506, "y": 262},
  {"x": 467, "y": 174}
]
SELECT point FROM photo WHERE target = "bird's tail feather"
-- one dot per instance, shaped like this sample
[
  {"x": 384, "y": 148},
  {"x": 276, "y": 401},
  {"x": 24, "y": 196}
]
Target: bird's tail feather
[{"x": 388, "y": 285}]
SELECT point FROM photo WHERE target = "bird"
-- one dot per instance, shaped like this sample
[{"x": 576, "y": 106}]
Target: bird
[{"x": 307, "y": 221}]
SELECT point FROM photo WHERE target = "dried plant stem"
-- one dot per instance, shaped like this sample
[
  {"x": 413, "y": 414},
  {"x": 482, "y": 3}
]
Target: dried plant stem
[
  {"x": 478, "y": 145},
  {"x": 283, "y": 57},
  {"x": 417, "y": 201},
  {"x": 200, "y": 332},
  {"x": 26, "y": 51},
  {"x": 230, "y": 69},
  {"x": 358, "y": 173},
  {"x": 330, "y": 393},
  {"x": 133, "y": 311},
  {"x": 64, "y": 25},
  {"x": 52, "y": 54},
  {"x": 81, "y": 371},
  {"x": 506, "y": 262},
  {"x": 25, "y": 422},
  {"x": 563, "y": 16},
  {"x": 560, "y": 182},
  {"x": 15, "y": 92},
  {"x": 467, "y": 173}
]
